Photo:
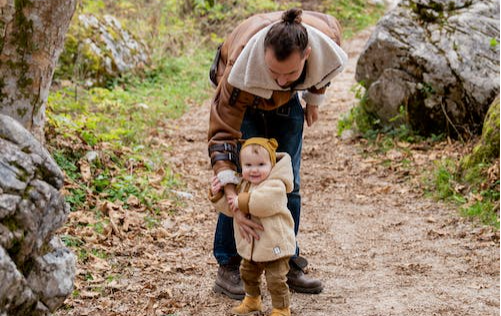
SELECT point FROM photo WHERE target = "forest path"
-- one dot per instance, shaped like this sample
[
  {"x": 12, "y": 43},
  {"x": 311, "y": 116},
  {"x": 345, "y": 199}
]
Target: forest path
[{"x": 379, "y": 246}]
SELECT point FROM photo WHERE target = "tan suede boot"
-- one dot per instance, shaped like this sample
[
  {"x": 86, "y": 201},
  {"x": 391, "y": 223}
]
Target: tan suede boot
[
  {"x": 286, "y": 311},
  {"x": 251, "y": 305}
]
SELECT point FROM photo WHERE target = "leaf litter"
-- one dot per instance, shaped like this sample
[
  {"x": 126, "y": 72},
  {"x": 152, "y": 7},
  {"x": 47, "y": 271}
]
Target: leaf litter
[{"x": 369, "y": 232}]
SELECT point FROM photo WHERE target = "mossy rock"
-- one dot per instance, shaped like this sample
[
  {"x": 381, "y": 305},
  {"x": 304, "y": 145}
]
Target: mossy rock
[
  {"x": 487, "y": 149},
  {"x": 98, "y": 49}
]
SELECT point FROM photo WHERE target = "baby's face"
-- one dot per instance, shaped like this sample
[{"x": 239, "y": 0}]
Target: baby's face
[{"x": 256, "y": 164}]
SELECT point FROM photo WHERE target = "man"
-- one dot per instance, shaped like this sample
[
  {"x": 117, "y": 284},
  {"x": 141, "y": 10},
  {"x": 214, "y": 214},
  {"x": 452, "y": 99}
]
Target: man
[{"x": 258, "y": 71}]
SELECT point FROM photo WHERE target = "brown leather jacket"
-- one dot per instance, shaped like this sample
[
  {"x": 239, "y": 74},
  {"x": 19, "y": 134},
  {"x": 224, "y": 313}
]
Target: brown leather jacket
[{"x": 228, "y": 106}]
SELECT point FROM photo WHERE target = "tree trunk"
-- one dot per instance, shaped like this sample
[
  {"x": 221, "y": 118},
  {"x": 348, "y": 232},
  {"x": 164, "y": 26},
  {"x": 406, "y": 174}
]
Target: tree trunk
[{"x": 33, "y": 38}]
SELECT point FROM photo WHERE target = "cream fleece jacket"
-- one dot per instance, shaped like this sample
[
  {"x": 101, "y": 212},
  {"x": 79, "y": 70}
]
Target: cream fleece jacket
[{"x": 267, "y": 204}]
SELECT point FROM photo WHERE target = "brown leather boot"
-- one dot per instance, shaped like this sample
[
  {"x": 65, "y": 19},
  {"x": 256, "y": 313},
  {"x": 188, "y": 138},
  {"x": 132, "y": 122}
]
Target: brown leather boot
[
  {"x": 299, "y": 282},
  {"x": 228, "y": 282}
]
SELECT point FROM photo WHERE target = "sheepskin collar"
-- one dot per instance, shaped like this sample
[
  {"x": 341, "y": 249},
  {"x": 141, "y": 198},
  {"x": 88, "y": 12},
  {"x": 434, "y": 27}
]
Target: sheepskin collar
[{"x": 250, "y": 73}]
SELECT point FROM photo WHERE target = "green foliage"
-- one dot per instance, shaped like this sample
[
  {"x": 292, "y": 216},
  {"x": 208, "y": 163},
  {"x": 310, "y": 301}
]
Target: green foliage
[
  {"x": 465, "y": 183},
  {"x": 119, "y": 115},
  {"x": 71, "y": 241},
  {"x": 358, "y": 118},
  {"x": 114, "y": 123},
  {"x": 487, "y": 148},
  {"x": 445, "y": 180},
  {"x": 483, "y": 209},
  {"x": 479, "y": 201},
  {"x": 354, "y": 15},
  {"x": 370, "y": 127}
]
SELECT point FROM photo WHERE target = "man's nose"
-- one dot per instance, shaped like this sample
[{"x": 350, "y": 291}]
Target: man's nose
[{"x": 282, "y": 80}]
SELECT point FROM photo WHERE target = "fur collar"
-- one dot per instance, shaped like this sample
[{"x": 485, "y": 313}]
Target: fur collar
[{"x": 250, "y": 73}]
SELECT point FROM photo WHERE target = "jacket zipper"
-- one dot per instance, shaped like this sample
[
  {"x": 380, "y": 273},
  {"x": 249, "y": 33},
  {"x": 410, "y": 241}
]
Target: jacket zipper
[{"x": 247, "y": 189}]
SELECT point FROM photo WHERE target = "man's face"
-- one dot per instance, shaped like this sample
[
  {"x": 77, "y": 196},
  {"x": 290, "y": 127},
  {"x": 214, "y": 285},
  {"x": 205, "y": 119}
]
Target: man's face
[{"x": 287, "y": 71}]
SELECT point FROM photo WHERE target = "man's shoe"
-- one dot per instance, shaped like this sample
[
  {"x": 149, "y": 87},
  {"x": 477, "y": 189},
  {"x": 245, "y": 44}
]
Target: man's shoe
[
  {"x": 300, "y": 283},
  {"x": 228, "y": 282},
  {"x": 301, "y": 262}
]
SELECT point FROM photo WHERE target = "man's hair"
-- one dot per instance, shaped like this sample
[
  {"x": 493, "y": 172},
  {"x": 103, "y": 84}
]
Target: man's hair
[{"x": 287, "y": 36}]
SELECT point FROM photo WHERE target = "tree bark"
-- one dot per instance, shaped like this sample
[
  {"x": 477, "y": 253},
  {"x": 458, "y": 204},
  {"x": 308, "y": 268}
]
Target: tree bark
[{"x": 32, "y": 39}]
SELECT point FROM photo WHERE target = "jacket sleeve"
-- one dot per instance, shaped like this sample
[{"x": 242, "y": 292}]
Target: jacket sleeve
[
  {"x": 314, "y": 96},
  {"x": 226, "y": 115},
  {"x": 267, "y": 199},
  {"x": 219, "y": 202}
]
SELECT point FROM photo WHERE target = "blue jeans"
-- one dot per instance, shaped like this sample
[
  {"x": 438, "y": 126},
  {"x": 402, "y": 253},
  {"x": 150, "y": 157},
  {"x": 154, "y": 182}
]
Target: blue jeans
[{"x": 285, "y": 124}]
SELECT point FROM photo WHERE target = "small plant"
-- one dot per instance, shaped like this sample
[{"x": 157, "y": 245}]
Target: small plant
[
  {"x": 358, "y": 118},
  {"x": 483, "y": 210},
  {"x": 445, "y": 179},
  {"x": 71, "y": 241},
  {"x": 474, "y": 199},
  {"x": 494, "y": 42}
]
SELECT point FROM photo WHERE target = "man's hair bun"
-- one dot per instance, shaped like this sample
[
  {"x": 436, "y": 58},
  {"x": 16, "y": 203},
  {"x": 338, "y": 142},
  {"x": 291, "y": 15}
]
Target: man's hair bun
[{"x": 292, "y": 15}]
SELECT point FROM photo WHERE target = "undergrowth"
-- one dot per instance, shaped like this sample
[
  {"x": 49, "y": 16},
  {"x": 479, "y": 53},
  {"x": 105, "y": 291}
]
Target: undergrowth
[
  {"x": 475, "y": 194},
  {"x": 108, "y": 140},
  {"x": 104, "y": 139},
  {"x": 478, "y": 199}
]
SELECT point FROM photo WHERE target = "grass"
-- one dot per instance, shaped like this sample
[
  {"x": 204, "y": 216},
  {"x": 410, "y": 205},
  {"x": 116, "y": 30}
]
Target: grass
[
  {"x": 473, "y": 194},
  {"x": 354, "y": 15},
  {"x": 479, "y": 200},
  {"x": 115, "y": 125}
]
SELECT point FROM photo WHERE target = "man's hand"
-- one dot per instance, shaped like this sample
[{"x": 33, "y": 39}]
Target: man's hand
[
  {"x": 311, "y": 114},
  {"x": 246, "y": 226},
  {"x": 231, "y": 192}
]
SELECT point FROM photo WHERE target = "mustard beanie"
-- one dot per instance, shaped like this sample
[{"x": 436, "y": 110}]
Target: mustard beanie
[{"x": 270, "y": 144}]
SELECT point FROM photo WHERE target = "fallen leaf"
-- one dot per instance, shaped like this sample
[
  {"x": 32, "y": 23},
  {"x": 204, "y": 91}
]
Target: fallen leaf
[{"x": 85, "y": 170}]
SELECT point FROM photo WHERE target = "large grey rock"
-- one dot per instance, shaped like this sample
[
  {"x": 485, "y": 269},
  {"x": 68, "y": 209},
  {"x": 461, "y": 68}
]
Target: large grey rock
[
  {"x": 52, "y": 275},
  {"x": 100, "y": 49},
  {"x": 436, "y": 59},
  {"x": 36, "y": 271}
]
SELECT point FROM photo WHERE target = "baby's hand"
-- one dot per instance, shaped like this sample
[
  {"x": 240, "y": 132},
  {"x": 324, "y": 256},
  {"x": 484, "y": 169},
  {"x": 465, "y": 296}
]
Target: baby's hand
[{"x": 215, "y": 185}]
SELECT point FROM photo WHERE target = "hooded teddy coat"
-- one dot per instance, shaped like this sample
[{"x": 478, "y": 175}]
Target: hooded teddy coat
[{"x": 267, "y": 204}]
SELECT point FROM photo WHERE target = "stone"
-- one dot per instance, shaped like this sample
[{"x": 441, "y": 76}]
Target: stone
[
  {"x": 435, "y": 61},
  {"x": 36, "y": 270},
  {"x": 52, "y": 275},
  {"x": 101, "y": 49}
]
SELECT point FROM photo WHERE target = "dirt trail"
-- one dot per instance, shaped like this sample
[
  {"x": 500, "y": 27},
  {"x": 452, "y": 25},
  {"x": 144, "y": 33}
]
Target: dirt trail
[{"x": 380, "y": 247}]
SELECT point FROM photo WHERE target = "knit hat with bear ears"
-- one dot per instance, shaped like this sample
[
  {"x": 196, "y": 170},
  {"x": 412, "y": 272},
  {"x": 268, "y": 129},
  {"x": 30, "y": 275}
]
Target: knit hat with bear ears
[{"x": 270, "y": 144}]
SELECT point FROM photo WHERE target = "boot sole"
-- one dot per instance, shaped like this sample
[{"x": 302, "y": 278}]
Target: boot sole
[
  {"x": 221, "y": 290},
  {"x": 315, "y": 290},
  {"x": 254, "y": 313}
]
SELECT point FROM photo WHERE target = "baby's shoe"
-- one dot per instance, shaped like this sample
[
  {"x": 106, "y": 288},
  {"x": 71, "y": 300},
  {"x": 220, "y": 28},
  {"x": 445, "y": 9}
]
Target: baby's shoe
[
  {"x": 286, "y": 311},
  {"x": 251, "y": 305}
]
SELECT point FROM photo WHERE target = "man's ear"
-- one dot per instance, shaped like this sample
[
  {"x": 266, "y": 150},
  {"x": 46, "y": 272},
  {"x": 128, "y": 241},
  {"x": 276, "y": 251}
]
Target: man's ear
[{"x": 307, "y": 52}]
